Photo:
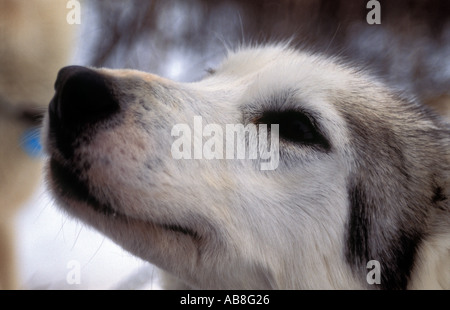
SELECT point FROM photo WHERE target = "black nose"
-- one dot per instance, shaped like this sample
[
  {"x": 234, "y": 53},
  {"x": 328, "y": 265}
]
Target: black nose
[{"x": 82, "y": 96}]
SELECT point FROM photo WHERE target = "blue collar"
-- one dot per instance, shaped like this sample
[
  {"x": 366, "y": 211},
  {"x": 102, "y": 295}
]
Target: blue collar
[
  {"x": 31, "y": 143},
  {"x": 32, "y": 117}
]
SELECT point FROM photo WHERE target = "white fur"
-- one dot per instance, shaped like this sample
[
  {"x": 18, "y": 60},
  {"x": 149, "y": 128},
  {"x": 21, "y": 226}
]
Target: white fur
[{"x": 281, "y": 229}]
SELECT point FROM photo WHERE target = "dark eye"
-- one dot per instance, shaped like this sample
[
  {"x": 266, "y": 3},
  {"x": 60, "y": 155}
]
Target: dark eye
[{"x": 295, "y": 126}]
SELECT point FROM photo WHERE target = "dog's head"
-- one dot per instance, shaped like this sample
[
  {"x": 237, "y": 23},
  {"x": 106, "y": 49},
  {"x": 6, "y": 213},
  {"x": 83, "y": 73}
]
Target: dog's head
[{"x": 347, "y": 176}]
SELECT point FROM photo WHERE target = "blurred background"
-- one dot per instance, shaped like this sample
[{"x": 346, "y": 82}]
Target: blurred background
[
  {"x": 180, "y": 40},
  {"x": 410, "y": 49}
]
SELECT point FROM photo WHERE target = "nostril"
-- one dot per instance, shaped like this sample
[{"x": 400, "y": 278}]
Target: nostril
[{"x": 82, "y": 96}]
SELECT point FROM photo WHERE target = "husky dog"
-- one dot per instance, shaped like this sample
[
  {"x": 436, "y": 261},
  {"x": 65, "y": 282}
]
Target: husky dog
[
  {"x": 35, "y": 42},
  {"x": 363, "y": 174}
]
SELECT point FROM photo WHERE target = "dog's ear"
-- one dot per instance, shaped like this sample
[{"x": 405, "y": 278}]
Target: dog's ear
[
  {"x": 375, "y": 232},
  {"x": 397, "y": 185},
  {"x": 391, "y": 200},
  {"x": 390, "y": 215}
]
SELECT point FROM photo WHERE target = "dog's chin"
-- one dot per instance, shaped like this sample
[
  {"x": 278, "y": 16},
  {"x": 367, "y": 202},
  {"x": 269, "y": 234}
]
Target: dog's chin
[{"x": 74, "y": 196}]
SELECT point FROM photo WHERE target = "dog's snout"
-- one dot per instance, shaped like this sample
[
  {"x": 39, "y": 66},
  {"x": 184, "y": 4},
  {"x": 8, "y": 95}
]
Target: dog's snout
[{"x": 82, "y": 96}]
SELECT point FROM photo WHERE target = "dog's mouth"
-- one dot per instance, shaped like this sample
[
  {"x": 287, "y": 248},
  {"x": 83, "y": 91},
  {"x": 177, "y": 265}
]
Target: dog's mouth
[{"x": 68, "y": 186}]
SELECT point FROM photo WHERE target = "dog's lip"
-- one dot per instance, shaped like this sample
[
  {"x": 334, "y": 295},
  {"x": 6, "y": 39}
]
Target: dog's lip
[{"x": 67, "y": 185}]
